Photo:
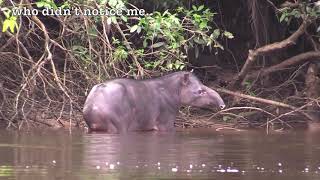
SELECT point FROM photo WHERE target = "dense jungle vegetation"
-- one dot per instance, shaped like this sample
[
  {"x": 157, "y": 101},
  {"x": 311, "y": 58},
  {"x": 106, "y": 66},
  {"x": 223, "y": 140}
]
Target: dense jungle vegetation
[{"x": 262, "y": 56}]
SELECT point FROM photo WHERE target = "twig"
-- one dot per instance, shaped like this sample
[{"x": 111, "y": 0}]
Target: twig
[{"x": 241, "y": 108}]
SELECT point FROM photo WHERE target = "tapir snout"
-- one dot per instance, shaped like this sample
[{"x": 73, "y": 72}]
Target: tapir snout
[{"x": 215, "y": 98}]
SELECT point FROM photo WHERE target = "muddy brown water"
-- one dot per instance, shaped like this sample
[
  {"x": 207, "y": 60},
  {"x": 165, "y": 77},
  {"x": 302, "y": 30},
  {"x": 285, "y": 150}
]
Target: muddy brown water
[{"x": 184, "y": 154}]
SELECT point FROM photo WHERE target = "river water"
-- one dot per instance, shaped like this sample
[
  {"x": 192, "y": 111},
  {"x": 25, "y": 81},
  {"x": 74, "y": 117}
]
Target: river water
[{"x": 184, "y": 154}]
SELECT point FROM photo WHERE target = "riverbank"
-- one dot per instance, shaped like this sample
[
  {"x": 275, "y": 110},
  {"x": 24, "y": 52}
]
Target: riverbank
[{"x": 188, "y": 118}]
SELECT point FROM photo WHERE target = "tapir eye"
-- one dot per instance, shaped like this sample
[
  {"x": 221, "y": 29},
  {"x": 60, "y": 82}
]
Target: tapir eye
[{"x": 201, "y": 92}]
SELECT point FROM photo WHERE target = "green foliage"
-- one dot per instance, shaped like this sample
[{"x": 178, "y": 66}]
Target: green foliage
[
  {"x": 160, "y": 40},
  {"x": 51, "y": 4},
  {"x": 10, "y": 22},
  {"x": 288, "y": 14},
  {"x": 305, "y": 10},
  {"x": 169, "y": 35},
  {"x": 46, "y": 4},
  {"x": 113, "y": 4},
  {"x": 178, "y": 65},
  {"x": 120, "y": 53},
  {"x": 81, "y": 53},
  {"x": 310, "y": 10},
  {"x": 229, "y": 35},
  {"x": 161, "y": 27}
]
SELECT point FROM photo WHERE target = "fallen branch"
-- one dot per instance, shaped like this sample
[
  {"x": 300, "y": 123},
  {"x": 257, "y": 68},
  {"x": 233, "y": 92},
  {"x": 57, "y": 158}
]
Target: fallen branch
[
  {"x": 265, "y": 101},
  {"x": 301, "y": 58},
  {"x": 267, "y": 49},
  {"x": 290, "y": 112}
]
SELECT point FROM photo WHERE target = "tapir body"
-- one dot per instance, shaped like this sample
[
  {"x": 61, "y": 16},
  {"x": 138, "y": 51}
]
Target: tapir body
[{"x": 122, "y": 105}]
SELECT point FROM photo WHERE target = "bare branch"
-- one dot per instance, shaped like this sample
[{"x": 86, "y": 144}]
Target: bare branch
[
  {"x": 301, "y": 58},
  {"x": 267, "y": 49}
]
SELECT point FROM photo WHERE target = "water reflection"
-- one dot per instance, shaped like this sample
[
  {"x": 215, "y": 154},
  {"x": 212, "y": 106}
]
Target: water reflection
[
  {"x": 188, "y": 154},
  {"x": 37, "y": 155}
]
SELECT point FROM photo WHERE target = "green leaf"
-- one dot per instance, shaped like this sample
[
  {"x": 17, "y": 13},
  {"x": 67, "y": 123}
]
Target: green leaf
[
  {"x": 6, "y": 25},
  {"x": 218, "y": 45},
  {"x": 216, "y": 33},
  {"x": 12, "y": 25},
  {"x": 284, "y": 15},
  {"x": 41, "y": 4},
  {"x": 65, "y": 5},
  {"x": 228, "y": 34},
  {"x": 194, "y": 7},
  {"x": 209, "y": 42},
  {"x": 6, "y": 11},
  {"x": 120, "y": 5},
  {"x": 199, "y": 41},
  {"x": 112, "y": 3},
  {"x": 139, "y": 29},
  {"x": 145, "y": 43},
  {"x": 180, "y": 9},
  {"x": 308, "y": 9},
  {"x": 182, "y": 67},
  {"x": 197, "y": 17},
  {"x": 165, "y": 13},
  {"x": 203, "y": 25},
  {"x": 114, "y": 19},
  {"x": 52, "y": 5},
  {"x": 133, "y": 28},
  {"x": 158, "y": 44},
  {"x": 200, "y": 7},
  {"x": 47, "y": 4},
  {"x": 124, "y": 18}
]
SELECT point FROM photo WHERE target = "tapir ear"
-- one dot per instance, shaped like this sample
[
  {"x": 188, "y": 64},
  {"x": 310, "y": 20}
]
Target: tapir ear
[
  {"x": 186, "y": 79},
  {"x": 191, "y": 70}
]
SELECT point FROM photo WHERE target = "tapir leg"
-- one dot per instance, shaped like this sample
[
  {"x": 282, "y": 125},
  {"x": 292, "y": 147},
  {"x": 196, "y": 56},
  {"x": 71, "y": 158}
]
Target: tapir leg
[
  {"x": 99, "y": 121},
  {"x": 166, "y": 122}
]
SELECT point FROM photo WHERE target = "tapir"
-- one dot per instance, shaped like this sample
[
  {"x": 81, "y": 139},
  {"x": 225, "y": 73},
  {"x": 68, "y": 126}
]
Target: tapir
[{"x": 122, "y": 105}]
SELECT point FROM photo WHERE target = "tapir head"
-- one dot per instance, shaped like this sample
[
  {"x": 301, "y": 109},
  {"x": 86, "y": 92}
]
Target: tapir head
[{"x": 194, "y": 93}]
